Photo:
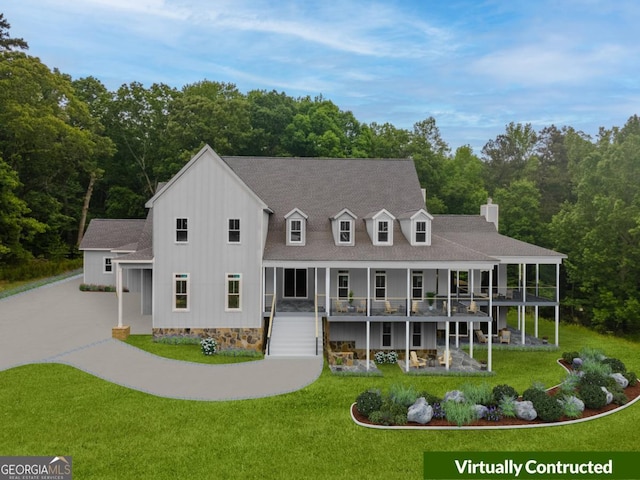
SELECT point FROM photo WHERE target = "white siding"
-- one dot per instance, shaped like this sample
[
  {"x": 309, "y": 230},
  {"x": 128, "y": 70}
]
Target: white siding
[{"x": 208, "y": 193}]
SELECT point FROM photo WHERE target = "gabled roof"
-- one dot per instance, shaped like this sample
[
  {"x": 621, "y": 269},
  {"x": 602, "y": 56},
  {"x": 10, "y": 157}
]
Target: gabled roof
[{"x": 112, "y": 234}]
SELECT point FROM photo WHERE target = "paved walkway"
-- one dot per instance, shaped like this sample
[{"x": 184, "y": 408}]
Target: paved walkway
[{"x": 59, "y": 324}]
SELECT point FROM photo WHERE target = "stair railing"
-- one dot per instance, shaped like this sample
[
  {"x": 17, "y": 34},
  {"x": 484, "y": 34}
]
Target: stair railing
[{"x": 273, "y": 312}]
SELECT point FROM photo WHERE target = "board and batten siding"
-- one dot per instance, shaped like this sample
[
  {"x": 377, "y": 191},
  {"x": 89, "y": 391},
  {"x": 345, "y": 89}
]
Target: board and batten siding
[
  {"x": 208, "y": 194},
  {"x": 357, "y": 331}
]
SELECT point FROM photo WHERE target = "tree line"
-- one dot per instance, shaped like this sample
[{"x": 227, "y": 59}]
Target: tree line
[{"x": 71, "y": 150}]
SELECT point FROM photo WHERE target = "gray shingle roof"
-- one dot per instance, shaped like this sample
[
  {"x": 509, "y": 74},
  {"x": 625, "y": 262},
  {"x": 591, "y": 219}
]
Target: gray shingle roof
[{"x": 111, "y": 234}]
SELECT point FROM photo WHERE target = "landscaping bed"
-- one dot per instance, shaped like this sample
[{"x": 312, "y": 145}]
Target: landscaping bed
[{"x": 589, "y": 390}]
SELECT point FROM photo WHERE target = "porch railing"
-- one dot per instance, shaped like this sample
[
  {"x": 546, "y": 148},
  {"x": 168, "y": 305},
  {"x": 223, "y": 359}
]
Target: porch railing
[
  {"x": 399, "y": 306},
  {"x": 271, "y": 315}
]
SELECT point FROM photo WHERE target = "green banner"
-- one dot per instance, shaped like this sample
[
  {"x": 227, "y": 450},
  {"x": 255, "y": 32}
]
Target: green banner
[{"x": 531, "y": 465}]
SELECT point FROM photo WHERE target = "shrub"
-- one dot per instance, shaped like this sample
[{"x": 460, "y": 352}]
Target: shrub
[
  {"x": 508, "y": 406},
  {"x": 430, "y": 398},
  {"x": 209, "y": 346},
  {"x": 386, "y": 357},
  {"x": 403, "y": 395},
  {"x": 594, "y": 379},
  {"x": 616, "y": 365},
  {"x": 177, "y": 340},
  {"x": 368, "y": 402},
  {"x": 589, "y": 353},
  {"x": 548, "y": 408},
  {"x": 595, "y": 366},
  {"x": 570, "y": 383},
  {"x": 619, "y": 398},
  {"x": 477, "y": 394},
  {"x": 438, "y": 410},
  {"x": 460, "y": 413},
  {"x": 569, "y": 356},
  {"x": 389, "y": 414},
  {"x": 376, "y": 417},
  {"x": 240, "y": 352},
  {"x": 592, "y": 396},
  {"x": 494, "y": 414},
  {"x": 533, "y": 392},
  {"x": 632, "y": 377},
  {"x": 571, "y": 406},
  {"x": 500, "y": 391}
]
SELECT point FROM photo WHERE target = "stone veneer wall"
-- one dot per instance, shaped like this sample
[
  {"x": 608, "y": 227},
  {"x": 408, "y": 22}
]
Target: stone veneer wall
[{"x": 227, "y": 338}]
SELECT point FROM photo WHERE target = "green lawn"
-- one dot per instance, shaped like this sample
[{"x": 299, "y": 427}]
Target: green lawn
[{"x": 116, "y": 433}]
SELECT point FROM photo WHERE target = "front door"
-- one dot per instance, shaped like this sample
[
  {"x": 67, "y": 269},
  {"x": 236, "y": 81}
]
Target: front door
[{"x": 295, "y": 282}]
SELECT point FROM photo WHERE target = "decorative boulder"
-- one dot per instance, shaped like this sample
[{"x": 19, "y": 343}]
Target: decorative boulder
[
  {"x": 525, "y": 410},
  {"x": 455, "y": 396},
  {"x": 609, "y": 395},
  {"x": 420, "y": 412},
  {"x": 481, "y": 411},
  {"x": 572, "y": 399},
  {"x": 620, "y": 379},
  {"x": 577, "y": 363}
]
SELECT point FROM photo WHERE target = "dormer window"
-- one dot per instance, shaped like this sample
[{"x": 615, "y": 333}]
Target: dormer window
[
  {"x": 346, "y": 227},
  {"x": 295, "y": 231},
  {"x": 296, "y": 222},
  {"x": 383, "y": 231},
  {"x": 380, "y": 227},
  {"x": 421, "y": 232}
]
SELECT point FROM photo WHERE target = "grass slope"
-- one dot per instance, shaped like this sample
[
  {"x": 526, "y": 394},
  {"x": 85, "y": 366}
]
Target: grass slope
[{"x": 113, "y": 432}]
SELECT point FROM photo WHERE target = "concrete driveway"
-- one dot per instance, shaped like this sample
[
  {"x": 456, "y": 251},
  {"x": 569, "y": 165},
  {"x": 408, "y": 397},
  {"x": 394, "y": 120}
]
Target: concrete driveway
[{"x": 58, "y": 323}]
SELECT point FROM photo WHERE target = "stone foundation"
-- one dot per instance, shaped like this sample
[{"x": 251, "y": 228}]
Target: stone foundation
[
  {"x": 227, "y": 338},
  {"x": 121, "y": 333}
]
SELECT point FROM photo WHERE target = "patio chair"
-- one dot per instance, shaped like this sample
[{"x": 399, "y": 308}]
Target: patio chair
[
  {"x": 480, "y": 336},
  {"x": 442, "y": 361},
  {"x": 414, "y": 308},
  {"x": 473, "y": 307},
  {"x": 415, "y": 361},
  {"x": 362, "y": 308},
  {"x": 505, "y": 336},
  {"x": 340, "y": 307},
  {"x": 388, "y": 308}
]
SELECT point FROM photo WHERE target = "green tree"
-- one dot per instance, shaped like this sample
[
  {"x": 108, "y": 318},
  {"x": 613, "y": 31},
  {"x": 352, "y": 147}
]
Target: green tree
[
  {"x": 519, "y": 210},
  {"x": 6, "y": 42},
  {"x": 462, "y": 190}
]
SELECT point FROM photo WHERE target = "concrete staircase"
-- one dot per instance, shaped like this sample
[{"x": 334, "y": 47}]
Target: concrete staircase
[{"x": 294, "y": 335}]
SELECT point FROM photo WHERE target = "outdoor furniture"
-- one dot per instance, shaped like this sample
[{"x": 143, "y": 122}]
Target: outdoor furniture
[
  {"x": 442, "y": 361},
  {"x": 414, "y": 308},
  {"x": 362, "y": 308},
  {"x": 505, "y": 336},
  {"x": 340, "y": 307},
  {"x": 473, "y": 307},
  {"x": 415, "y": 361},
  {"x": 480, "y": 336},
  {"x": 388, "y": 308}
]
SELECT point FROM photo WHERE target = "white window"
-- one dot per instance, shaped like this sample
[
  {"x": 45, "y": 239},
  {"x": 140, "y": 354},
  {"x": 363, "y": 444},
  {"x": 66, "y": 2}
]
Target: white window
[
  {"x": 108, "y": 266},
  {"x": 295, "y": 231},
  {"x": 416, "y": 286},
  {"x": 182, "y": 231},
  {"x": 421, "y": 232},
  {"x": 381, "y": 285},
  {"x": 387, "y": 333},
  {"x": 181, "y": 292},
  {"x": 233, "y": 292},
  {"x": 343, "y": 284},
  {"x": 383, "y": 231},
  {"x": 416, "y": 337},
  {"x": 234, "y": 230},
  {"x": 344, "y": 234}
]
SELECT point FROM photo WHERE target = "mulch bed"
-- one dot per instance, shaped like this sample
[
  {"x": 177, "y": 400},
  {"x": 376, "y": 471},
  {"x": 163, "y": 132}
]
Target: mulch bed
[{"x": 631, "y": 392}]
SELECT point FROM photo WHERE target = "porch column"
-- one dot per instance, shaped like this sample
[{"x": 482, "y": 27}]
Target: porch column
[
  {"x": 524, "y": 321},
  {"x": 489, "y": 348},
  {"x": 557, "y": 332},
  {"x": 457, "y": 334},
  {"x": 446, "y": 345},
  {"x": 368, "y": 292},
  {"x": 368, "y": 342},
  {"x": 490, "y": 333},
  {"x": 264, "y": 287},
  {"x": 408, "y": 302},
  {"x": 327, "y": 288},
  {"x": 535, "y": 312},
  {"x": 406, "y": 358},
  {"x": 119, "y": 292},
  {"x": 315, "y": 286},
  {"x": 471, "y": 339}
]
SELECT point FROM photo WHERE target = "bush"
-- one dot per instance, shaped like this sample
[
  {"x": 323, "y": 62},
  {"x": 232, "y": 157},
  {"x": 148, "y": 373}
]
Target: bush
[
  {"x": 386, "y": 357},
  {"x": 571, "y": 406},
  {"x": 508, "y": 406},
  {"x": 438, "y": 411},
  {"x": 177, "y": 340},
  {"x": 589, "y": 353},
  {"x": 592, "y": 396},
  {"x": 594, "y": 379},
  {"x": 368, "y": 402},
  {"x": 477, "y": 394},
  {"x": 430, "y": 398},
  {"x": 403, "y": 395},
  {"x": 548, "y": 408},
  {"x": 240, "y": 352},
  {"x": 534, "y": 392},
  {"x": 39, "y": 268},
  {"x": 619, "y": 398},
  {"x": 616, "y": 365},
  {"x": 632, "y": 377},
  {"x": 500, "y": 391},
  {"x": 460, "y": 413},
  {"x": 570, "y": 383},
  {"x": 595, "y": 366},
  {"x": 209, "y": 346},
  {"x": 569, "y": 356},
  {"x": 494, "y": 414},
  {"x": 390, "y": 413}
]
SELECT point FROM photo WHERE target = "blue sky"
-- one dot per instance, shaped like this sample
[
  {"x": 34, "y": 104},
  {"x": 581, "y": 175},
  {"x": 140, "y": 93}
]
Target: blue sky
[{"x": 473, "y": 65}]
